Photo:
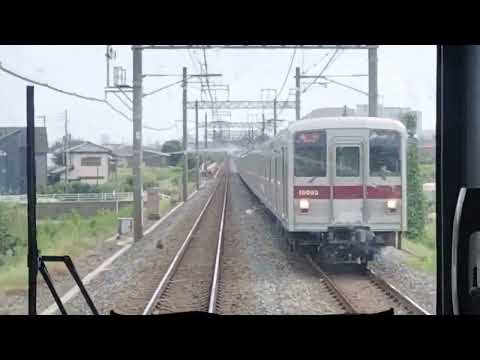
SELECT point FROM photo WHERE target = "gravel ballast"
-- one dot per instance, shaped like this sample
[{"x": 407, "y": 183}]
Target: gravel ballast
[
  {"x": 392, "y": 265},
  {"x": 258, "y": 275},
  {"x": 128, "y": 282}
]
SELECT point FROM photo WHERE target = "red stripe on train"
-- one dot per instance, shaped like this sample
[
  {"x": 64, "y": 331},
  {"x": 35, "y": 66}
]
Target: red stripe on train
[
  {"x": 384, "y": 192},
  {"x": 348, "y": 192}
]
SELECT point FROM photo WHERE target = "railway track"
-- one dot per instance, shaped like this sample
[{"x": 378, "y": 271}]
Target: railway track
[
  {"x": 361, "y": 292},
  {"x": 192, "y": 280}
]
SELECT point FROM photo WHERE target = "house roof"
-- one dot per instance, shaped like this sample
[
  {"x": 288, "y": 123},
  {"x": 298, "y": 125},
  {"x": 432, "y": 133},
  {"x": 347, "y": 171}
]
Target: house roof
[
  {"x": 127, "y": 150},
  {"x": 41, "y": 141},
  {"x": 89, "y": 147}
]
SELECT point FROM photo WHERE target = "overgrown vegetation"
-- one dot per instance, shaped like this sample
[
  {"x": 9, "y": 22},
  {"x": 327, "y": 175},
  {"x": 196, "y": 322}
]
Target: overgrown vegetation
[
  {"x": 173, "y": 146},
  {"x": 425, "y": 250},
  {"x": 416, "y": 202},
  {"x": 71, "y": 234},
  {"x": 427, "y": 172}
]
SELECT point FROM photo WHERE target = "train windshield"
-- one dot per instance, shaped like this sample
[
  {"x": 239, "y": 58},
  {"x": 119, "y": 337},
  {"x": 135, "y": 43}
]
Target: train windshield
[
  {"x": 311, "y": 154},
  {"x": 384, "y": 153}
]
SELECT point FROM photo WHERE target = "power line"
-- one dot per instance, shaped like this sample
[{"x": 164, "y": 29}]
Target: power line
[
  {"x": 49, "y": 86},
  {"x": 208, "y": 83},
  {"x": 321, "y": 72},
  {"x": 198, "y": 65},
  {"x": 288, "y": 73},
  {"x": 163, "y": 88},
  {"x": 71, "y": 93},
  {"x": 123, "y": 101}
]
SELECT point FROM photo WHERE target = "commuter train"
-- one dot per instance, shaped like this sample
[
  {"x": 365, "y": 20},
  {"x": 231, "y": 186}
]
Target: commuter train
[{"x": 336, "y": 185}]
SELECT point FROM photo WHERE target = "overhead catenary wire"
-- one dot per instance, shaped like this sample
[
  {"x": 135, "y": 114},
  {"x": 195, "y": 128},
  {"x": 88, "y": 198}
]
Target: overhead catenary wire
[
  {"x": 329, "y": 62},
  {"x": 305, "y": 71},
  {"x": 74, "y": 94},
  {"x": 123, "y": 101},
  {"x": 164, "y": 87},
  {"x": 285, "y": 81},
  {"x": 206, "y": 78},
  {"x": 288, "y": 73}
]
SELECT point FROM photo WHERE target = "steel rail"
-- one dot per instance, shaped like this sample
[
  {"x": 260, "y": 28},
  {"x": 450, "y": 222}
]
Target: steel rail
[
  {"x": 216, "y": 271},
  {"x": 408, "y": 303},
  {"x": 178, "y": 257},
  {"x": 339, "y": 295}
]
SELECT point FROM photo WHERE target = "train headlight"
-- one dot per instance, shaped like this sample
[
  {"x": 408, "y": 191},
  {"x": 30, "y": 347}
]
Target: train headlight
[
  {"x": 304, "y": 205},
  {"x": 392, "y": 205}
]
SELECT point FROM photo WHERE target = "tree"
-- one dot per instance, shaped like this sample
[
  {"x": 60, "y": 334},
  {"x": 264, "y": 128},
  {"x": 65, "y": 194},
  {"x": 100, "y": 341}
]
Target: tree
[
  {"x": 416, "y": 202},
  {"x": 59, "y": 145},
  {"x": 173, "y": 146}
]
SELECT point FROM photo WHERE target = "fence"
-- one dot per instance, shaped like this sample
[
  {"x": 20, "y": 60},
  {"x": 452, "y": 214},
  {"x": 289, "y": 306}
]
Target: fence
[{"x": 80, "y": 197}]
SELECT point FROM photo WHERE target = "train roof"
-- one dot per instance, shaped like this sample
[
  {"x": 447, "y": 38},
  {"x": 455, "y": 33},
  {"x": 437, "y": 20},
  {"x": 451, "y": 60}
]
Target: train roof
[{"x": 347, "y": 122}]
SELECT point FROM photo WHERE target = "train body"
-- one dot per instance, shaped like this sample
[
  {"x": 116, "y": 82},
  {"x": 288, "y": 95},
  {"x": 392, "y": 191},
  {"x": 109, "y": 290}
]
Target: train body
[{"x": 337, "y": 185}]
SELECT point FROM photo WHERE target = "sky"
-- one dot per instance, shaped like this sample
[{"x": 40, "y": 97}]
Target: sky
[{"x": 406, "y": 78}]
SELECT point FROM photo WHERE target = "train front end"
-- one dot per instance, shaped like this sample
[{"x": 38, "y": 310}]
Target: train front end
[{"x": 349, "y": 186}]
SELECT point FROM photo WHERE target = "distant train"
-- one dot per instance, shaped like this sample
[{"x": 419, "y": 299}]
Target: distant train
[{"x": 336, "y": 185}]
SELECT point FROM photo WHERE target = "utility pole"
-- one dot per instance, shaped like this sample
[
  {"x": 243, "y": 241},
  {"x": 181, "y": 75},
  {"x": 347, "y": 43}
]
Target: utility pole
[
  {"x": 197, "y": 170},
  {"x": 275, "y": 117},
  {"x": 66, "y": 157},
  {"x": 372, "y": 82},
  {"x": 137, "y": 144},
  {"x": 107, "y": 55},
  {"x": 206, "y": 131},
  {"x": 185, "y": 154},
  {"x": 263, "y": 123},
  {"x": 297, "y": 93}
]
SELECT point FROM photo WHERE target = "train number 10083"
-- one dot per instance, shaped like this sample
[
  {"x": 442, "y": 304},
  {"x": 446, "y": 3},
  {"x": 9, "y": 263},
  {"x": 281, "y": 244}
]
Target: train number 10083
[{"x": 303, "y": 192}]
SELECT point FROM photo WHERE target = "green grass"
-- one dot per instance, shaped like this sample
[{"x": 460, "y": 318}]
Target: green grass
[
  {"x": 425, "y": 249},
  {"x": 72, "y": 235}
]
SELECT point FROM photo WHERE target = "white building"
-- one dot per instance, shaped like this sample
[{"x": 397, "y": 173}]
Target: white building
[{"x": 89, "y": 163}]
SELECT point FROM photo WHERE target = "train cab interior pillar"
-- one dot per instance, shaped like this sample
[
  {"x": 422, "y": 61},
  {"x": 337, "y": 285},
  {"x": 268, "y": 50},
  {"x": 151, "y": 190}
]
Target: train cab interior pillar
[{"x": 458, "y": 179}]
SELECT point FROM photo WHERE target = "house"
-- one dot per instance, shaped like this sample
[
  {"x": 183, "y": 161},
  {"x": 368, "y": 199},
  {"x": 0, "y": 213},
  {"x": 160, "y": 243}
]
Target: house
[
  {"x": 13, "y": 159},
  {"x": 88, "y": 163},
  {"x": 151, "y": 157}
]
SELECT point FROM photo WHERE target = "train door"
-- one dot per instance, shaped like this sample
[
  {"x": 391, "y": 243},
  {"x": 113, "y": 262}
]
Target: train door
[{"x": 347, "y": 181}]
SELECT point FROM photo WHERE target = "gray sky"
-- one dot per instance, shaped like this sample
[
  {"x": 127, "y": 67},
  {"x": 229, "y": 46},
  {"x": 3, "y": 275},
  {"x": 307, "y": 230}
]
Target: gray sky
[{"x": 407, "y": 76}]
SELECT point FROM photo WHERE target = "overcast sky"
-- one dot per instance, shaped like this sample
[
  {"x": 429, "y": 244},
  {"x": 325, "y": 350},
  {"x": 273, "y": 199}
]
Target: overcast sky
[{"x": 406, "y": 78}]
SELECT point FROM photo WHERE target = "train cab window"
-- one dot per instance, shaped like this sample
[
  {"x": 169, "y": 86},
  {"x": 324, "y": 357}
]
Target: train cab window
[
  {"x": 384, "y": 153},
  {"x": 348, "y": 161},
  {"x": 311, "y": 153}
]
